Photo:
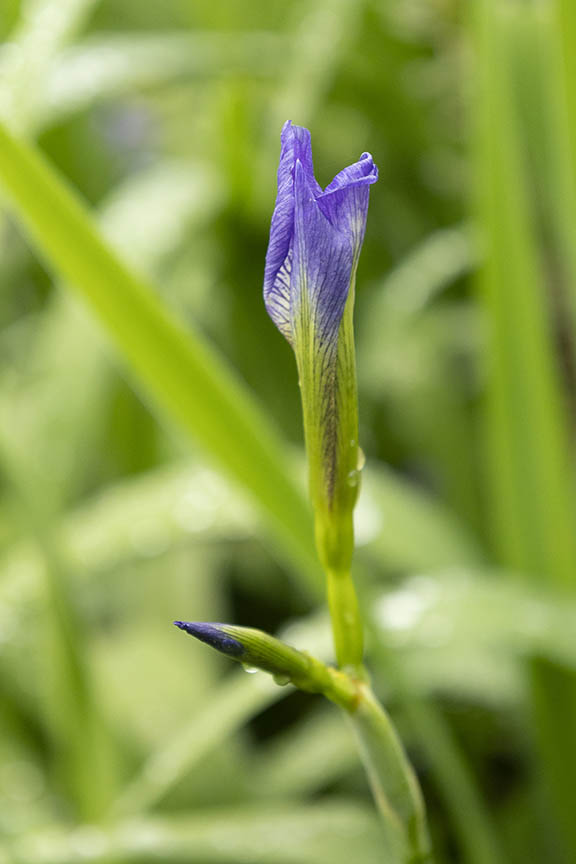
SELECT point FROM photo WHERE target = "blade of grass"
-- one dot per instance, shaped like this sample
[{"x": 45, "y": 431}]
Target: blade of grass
[
  {"x": 531, "y": 470},
  {"x": 532, "y": 501},
  {"x": 176, "y": 370},
  {"x": 68, "y": 345}
]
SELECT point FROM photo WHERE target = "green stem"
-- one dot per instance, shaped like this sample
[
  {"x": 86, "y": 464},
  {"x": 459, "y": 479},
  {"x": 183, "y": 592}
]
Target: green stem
[
  {"x": 392, "y": 779},
  {"x": 346, "y": 621}
]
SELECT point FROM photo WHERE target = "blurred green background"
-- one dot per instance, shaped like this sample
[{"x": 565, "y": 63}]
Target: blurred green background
[{"x": 121, "y": 741}]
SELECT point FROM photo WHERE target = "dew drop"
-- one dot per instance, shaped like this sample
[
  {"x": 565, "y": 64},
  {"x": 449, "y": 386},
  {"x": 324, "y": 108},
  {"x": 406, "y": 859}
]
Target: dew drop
[
  {"x": 250, "y": 669},
  {"x": 281, "y": 680},
  {"x": 353, "y": 478}
]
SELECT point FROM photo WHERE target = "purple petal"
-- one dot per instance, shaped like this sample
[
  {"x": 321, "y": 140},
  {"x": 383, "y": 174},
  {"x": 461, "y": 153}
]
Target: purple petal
[
  {"x": 361, "y": 173},
  {"x": 322, "y": 266},
  {"x": 296, "y": 145},
  {"x": 345, "y": 200}
]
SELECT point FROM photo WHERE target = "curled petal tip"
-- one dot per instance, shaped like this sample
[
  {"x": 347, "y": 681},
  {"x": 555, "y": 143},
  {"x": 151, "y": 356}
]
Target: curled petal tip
[{"x": 214, "y": 635}]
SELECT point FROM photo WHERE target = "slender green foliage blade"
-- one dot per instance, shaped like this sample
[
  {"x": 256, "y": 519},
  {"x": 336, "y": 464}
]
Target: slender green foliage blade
[
  {"x": 531, "y": 490},
  {"x": 531, "y": 470},
  {"x": 177, "y": 371}
]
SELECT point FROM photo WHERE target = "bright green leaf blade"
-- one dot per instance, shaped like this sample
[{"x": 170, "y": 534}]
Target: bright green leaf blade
[
  {"x": 144, "y": 220},
  {"x": 531, "y": 463},
  {"x": 532, "y": 496},
  {"x": 178, "y": 372}
]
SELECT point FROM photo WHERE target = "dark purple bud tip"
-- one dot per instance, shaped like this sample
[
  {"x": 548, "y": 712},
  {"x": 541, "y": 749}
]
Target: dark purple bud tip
[{"x": 213, "y": 635}]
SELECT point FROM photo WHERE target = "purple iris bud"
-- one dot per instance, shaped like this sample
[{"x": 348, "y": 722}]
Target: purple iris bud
[
  {"x": 315, "y": 239},
  {"x": 213, "y": 635}
]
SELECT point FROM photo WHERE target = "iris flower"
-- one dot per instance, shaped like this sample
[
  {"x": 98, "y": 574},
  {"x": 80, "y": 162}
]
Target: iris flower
[{"x": 315, "y": 241}]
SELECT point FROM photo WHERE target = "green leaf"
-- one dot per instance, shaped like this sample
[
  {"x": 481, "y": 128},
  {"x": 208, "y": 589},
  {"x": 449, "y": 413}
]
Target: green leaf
[
  {"x": 529, "y": 433},
  {"x": 67, "y": 346},
  {"x": 533, "y": 508},
  {"x": 177, "y": 371}
]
